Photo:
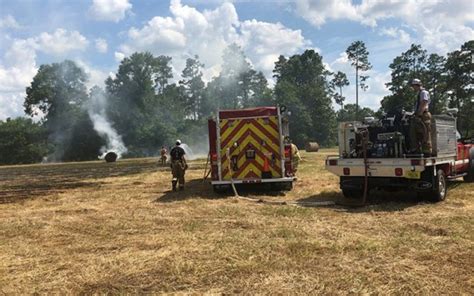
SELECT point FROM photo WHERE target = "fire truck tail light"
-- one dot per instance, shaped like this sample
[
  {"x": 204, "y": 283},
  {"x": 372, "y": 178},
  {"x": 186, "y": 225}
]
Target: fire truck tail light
[
  {"x": 398, "y": 172},
  {"x": 347, "y": 171},
  {"x": 287, "y": 151},
  {"x": 333, "y": 162},
  {"x": 214, "y": 158}
]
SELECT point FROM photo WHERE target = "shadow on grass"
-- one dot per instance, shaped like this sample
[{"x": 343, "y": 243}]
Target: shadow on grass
[
  {"x": 198, "y": 189},
  {"x": 377, "y": 201}
]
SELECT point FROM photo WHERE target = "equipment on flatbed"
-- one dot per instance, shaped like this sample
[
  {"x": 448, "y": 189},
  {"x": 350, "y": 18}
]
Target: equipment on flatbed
[
  {"x": 248, "y": 146},
  {"x": 375, "y": 154}
]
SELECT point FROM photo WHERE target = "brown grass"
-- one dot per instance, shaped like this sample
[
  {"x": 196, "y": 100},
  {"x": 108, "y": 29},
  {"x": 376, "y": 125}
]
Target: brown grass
[{"x": 82, "y": 228}]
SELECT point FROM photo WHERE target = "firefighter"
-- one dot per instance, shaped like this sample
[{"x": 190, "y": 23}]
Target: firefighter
[
  {"x": 163, "y": 157},
  {"x": 295, "y": 154},
  {"x": 420, "y": 124},
  {"x": 178, "y": 165},
  {"x": 295, "y": 157}
]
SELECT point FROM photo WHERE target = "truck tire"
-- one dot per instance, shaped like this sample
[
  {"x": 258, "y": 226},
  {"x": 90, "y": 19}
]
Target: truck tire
[
  {"x": 440, "y": 188},
  {"x": 282, "y": 186},
  {"x": 220, "y": 189},
  {"x": 288, "y": 186},
  {"x": 470, "y": 173},
  {"x": 352, "y": 193}
]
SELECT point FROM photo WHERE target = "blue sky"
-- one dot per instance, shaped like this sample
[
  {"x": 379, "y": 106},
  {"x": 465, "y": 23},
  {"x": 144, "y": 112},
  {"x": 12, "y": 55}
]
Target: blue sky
[{"x": 97, "y": 34}]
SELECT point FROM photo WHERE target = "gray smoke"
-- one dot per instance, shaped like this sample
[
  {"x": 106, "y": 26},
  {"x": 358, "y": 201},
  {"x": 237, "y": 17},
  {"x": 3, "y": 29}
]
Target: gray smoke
[{"x": 103, "y": 127}]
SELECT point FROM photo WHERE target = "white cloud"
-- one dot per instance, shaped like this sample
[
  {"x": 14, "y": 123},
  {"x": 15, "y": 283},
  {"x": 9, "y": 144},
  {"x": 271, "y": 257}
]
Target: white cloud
[
  {"x": 119, "y": 56},
  {"x": 401, "y": 35},
  {"x": 101, "y": 45},
  {"x": 438, "y": 25},
  {"x": 61, "y": 42},
  {"x": 9, "y": 22},
  {"x": 265, "y": 41},
  {"x": 110, "y": 10},
  {"x": 16, "y": 72},
  {"x": 318, "y": 12},
  {"x": 207, "y": 33},
  {"x": 18, "y": 65}
]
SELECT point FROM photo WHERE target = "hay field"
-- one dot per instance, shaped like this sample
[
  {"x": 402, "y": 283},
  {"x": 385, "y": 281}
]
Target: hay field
[{"x": 92, "y": 227}]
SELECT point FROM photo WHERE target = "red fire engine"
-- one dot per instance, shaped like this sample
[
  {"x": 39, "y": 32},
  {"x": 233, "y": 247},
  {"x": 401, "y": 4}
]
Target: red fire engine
[{"x": 248, "y": 146}]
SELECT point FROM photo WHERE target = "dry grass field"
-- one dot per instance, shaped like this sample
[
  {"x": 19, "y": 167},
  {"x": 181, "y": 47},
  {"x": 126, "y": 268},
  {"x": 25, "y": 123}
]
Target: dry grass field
[{"x": 93, "y": 227}]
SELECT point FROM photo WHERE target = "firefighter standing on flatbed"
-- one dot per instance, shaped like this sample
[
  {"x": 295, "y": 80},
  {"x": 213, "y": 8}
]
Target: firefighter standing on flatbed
[
  {"x": 420, "y": 125},
  {"x": 178, "y": 165}
]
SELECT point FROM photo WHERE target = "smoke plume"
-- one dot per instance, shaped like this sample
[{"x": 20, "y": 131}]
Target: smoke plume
[{"x": 103, "y": 127}]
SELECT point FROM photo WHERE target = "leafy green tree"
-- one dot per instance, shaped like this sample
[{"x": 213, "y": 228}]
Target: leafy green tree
[
  {"x": 142, "y": 105},
  {"x": 193, "y": 88},
  {"x": 260, "y": 93},
  {"x": 59, "y": 91},
  {"x": 417, "y": 63},
  {"x": 238, "y": 85},
  {"x": 347, "y": 113},
  {"x": 410, "y": 64},
  {"x": 339, "y": 80},
  {"x": 460, "y": 79},
  {"x": 302, "y": 85},
  {"x": 358, "y": 54},
  {"x": 436, "y": 82},
  {"x": 23, "y": 141},
  {"x": 233, "y": 76}
]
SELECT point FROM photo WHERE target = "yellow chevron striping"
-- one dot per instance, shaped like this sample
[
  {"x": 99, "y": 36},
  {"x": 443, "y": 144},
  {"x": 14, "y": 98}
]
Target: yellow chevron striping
[
  {"x": 260, "y": 121},
  {"x": 258, "y": 159},
  {"x": 250, "y": 140},
  {"x": 250, "y": 167},
  {"x": 244, "y": 144},
  {"x": 273, "y": 131},
  {"x": 225, "y": 133},
  {"x": 256, "y": 131}
]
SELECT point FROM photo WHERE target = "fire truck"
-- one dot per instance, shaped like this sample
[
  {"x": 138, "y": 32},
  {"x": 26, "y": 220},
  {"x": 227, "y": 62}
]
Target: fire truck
[
  {"x": 374, "y": 154},
  {"x": 250, "y": 146}
]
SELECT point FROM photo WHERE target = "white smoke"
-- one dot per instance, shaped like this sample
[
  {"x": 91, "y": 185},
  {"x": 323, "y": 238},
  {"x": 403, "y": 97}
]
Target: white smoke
[
  {"x": 190, "y": 155},
  {"x": 103, "y": 127}
]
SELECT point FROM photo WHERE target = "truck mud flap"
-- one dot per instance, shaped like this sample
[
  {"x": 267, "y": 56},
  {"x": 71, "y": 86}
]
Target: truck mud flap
[{"x": 423, "y": 185}]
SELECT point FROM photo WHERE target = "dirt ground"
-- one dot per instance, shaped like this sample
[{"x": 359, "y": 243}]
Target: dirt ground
[{"x": 93, "y": 227}]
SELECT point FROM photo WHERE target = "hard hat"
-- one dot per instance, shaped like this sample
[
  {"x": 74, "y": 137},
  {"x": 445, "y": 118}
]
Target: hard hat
[
  {"x": 415, "y": 82},
  {"x": 178, "y": 142}
]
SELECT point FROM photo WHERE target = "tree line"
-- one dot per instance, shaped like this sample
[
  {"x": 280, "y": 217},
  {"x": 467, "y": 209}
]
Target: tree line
[{"x": 148, "y": 109}]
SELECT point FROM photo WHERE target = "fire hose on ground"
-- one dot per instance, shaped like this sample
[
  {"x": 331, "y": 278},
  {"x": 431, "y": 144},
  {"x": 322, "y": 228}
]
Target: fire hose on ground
[{"x": 273, "y": 202}]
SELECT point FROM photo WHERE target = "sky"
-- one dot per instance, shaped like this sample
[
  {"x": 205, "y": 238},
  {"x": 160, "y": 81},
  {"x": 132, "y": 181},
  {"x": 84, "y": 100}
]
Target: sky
[{"x": 98, "y": 34}]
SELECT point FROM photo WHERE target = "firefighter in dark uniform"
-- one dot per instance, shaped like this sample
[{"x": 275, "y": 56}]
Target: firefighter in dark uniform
[
  {"x": 178, "y": 165},
  {"x": 420, "y": 125}
]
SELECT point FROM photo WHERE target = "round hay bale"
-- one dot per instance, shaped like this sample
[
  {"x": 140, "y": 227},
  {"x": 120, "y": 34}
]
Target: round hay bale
[
  {"x": 312, "y": 147},
  {"x": 111, "y": 156}
]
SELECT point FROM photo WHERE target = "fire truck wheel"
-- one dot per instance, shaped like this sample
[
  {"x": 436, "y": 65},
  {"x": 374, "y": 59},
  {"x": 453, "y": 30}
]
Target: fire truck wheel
[
  {"x": 470, "y": 173},
  {"x": 286, "y": 186},
  {"x": 220, "y": 189},
  {"x": 440, "y": 188}
]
